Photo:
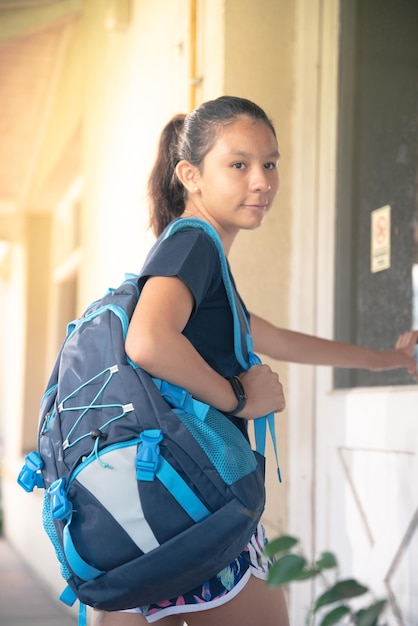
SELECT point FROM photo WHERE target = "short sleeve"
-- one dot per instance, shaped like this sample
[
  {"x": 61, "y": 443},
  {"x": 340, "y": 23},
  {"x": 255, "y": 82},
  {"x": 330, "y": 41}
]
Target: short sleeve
[{"x": 191, "y": 256}]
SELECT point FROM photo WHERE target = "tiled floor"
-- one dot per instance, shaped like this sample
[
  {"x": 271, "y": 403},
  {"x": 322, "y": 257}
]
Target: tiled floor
[{"x": 24, "y": 601}]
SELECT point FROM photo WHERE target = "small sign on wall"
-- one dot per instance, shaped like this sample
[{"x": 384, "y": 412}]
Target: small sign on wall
[{"x": 380, "y": 239}]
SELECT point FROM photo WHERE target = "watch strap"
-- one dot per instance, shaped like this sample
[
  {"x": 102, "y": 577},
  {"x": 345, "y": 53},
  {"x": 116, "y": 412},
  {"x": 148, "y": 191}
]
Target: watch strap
[{"x": 240, "y": 394}]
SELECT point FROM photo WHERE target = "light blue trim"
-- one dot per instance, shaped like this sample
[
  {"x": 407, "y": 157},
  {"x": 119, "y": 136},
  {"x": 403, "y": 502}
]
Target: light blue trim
[
  {"x": 181, "y": 399},
  {"x": 260, "y": 429},
  {"x": 110, "y": 371},
  {"x": 132, "y": 279},
  {"x": 132, "y": 363},
  {"x": 180, "y": 490},
  {"x": 239, "y": 336},
  {"x": 147, "y": 459},
  {"x": 78, "y": 565},
  {"x": 60, "y": 506},
  {"x": 48, "y": 392},
  {"x": 242, "y": 331},
  {"x": 117, "y": 310},
  {"x": 68, "y": 596},
  {"x": 82, "y": 615},
  {"x": 272, "y": 427},
  {"x": 30, "y": 475},
  {"x": 129, "y": 276},
  {"x": 260, "y": 426}
]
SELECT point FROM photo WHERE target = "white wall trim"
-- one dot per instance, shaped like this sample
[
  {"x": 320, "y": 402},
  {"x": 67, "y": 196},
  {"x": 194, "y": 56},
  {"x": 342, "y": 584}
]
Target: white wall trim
[{"x": 314, "y": 128}]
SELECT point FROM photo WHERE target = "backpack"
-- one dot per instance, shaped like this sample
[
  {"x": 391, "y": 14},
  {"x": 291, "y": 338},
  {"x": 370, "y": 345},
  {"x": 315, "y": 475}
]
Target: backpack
[{"x": 148, "y": 492}]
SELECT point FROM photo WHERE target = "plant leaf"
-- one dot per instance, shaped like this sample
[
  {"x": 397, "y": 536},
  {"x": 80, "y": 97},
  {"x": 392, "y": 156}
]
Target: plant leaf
[
  {"x": 370, "y": 616},
  {"x": 334, "y": 616},
  {"x": 287, "y": 568},
  {"x": 326, "y": 560},
  {"x": 280, "y": 544},
  {"x": 342, "y": 590},
  {"x": 307, "y": 573}
]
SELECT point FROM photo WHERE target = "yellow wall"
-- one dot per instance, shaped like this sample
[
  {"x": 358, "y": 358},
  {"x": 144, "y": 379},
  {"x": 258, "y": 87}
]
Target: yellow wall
[
  {"x": 137, "y": 80},
  {"x": 259, "y": 41}
]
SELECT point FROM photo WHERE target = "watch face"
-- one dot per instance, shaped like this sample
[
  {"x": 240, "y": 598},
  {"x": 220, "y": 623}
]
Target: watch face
[{"x": 238, "y": 388}]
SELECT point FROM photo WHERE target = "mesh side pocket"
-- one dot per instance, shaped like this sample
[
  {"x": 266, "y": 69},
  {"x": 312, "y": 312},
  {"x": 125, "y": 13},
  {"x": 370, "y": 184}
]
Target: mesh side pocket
[
  {"x": 223, "y": 443},
  {"x": 50, "y": 530}
]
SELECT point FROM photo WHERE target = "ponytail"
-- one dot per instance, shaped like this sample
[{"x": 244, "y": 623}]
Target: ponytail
[{"x": 165, "y": 192}]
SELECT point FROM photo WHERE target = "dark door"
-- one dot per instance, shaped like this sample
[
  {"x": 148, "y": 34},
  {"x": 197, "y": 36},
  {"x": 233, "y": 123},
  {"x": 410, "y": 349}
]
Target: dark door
[{"x": 377, "y": 167}]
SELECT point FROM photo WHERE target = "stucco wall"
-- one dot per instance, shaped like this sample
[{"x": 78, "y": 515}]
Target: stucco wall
[{"x": 259, "y": 42}]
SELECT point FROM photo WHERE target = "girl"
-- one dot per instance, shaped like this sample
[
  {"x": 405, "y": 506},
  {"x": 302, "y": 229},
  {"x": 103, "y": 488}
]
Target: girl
[{"x": 220, "y": 164}]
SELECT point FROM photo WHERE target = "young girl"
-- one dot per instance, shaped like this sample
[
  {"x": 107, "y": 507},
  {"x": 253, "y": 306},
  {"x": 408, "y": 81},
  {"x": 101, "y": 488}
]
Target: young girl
[{"x": 220, "y": 164}]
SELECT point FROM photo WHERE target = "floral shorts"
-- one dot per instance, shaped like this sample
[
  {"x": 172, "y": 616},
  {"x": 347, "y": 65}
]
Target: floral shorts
[{"x": 219, "y": 589}]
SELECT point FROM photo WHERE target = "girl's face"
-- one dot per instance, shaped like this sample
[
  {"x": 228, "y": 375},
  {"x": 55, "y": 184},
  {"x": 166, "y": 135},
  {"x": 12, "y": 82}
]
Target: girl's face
[{"x": 238, "y": 180}]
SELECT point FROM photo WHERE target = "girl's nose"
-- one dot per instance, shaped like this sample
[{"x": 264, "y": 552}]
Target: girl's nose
[{"x": 260, "y": 183}]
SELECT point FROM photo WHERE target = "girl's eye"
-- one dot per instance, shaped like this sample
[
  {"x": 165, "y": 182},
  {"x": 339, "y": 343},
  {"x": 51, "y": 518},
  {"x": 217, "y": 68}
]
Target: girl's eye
[
  {"x": 239, "y": 166},
  {"x": 270, "y": 166}
]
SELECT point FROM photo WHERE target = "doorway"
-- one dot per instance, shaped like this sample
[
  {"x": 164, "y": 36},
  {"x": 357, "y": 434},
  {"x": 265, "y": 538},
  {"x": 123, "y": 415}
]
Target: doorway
[{"x": 366, "y": 437}]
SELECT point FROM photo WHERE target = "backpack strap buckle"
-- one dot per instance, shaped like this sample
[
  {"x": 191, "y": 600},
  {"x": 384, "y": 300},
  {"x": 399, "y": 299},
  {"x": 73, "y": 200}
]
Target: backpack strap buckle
[
  {"x": 180, "y": 399},
  {"x": 61, "y": 507},
  {"x": 30, "y": 475},
  {"x": 175, "y": 396},
  {"x": 147, "y": 460}
]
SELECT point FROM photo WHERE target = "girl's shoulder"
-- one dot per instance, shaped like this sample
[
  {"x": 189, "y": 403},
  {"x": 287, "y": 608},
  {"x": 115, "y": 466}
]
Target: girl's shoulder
[
  {"x": 191, "y": 246},
  {"x": 189, "y": 254}
]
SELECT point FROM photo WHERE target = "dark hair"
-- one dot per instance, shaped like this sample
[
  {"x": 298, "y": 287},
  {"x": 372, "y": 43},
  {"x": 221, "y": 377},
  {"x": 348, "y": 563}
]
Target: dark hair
[{"x": 190, "y": 137}]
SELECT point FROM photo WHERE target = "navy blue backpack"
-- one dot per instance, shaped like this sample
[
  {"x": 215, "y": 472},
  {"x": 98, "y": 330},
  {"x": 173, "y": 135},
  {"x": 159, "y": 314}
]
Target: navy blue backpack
[{"x": 147, "y": 491}]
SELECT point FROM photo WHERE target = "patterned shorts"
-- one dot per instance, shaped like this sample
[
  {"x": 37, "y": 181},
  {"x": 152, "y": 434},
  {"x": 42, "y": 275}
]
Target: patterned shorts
[{"x": 219, "y": 589}]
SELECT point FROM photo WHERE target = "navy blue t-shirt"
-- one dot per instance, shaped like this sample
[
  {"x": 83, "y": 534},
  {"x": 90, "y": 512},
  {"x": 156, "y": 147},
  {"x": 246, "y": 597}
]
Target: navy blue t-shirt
[{"x": 192, "y": 256}]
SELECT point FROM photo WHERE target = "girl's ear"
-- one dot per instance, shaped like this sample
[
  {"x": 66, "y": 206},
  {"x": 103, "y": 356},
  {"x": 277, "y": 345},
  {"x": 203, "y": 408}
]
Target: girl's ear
[{"x": 188, "y": 175}]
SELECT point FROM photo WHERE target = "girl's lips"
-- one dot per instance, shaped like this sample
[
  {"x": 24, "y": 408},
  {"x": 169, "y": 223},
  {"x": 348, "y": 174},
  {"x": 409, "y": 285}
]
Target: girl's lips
[{"x": 257, "y": 207}]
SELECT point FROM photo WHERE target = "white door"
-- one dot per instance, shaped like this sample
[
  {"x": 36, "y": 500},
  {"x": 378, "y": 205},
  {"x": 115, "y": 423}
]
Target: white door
[
  {"x": 367, "y": 489},
  {"x": 353, "y": 449}
]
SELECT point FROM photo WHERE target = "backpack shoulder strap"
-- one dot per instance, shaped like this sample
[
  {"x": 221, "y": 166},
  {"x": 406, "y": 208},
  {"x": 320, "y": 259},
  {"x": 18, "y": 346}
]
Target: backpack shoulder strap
[{"x": 243, "y": 343}]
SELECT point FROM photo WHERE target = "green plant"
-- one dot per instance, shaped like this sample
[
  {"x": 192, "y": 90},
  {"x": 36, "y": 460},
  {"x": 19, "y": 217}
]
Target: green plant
[{"x": 332, "y": 606}]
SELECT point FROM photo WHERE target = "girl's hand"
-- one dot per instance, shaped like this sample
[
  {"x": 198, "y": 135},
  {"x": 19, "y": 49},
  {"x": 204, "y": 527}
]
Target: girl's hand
[
  {"x": 264, "y": 392},
  {"x": 406, "y": 343}
]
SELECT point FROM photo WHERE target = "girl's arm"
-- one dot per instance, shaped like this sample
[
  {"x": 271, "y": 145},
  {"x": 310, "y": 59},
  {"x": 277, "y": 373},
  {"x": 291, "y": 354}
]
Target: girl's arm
[
  {"x": 156, "y": 343},
  {"x": 286, "y": 345}
]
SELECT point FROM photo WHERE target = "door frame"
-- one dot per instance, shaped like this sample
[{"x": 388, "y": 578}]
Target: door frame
[
  {"x": 314, "y": 181},
  {"x": 311, "y": 298}
]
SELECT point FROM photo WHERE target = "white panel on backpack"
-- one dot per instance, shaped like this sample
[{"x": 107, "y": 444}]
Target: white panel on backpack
[{"x": 116, "y": 488}]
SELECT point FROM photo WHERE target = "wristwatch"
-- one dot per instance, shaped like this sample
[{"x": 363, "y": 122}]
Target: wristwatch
[{"x": 240, "y": 394}]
